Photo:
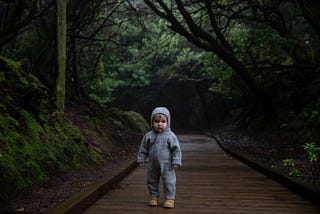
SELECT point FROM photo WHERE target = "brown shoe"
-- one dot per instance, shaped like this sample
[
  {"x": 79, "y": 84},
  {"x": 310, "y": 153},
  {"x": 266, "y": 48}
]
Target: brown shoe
[
  {"x": 169, "y": 204},
  {"x": 153, "y": 202}
]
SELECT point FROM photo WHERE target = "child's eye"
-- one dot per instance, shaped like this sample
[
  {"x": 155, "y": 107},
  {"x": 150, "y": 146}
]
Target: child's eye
[{"x": 160, "y": 121}]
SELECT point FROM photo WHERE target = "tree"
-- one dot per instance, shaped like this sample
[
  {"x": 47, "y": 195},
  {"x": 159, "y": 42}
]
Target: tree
[
  {"x": 210, "y": 37},
  {"x": 15, "y": 16},
  {"x": 310, "y": 11},
  {"x": 60, "y": 86},
  {"x": 276, "y": 45}
]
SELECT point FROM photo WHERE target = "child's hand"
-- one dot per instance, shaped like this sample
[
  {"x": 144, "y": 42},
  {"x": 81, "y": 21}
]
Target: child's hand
[
  {"x": 175, "y": 166},
  {"x": 141, "y": 164}
]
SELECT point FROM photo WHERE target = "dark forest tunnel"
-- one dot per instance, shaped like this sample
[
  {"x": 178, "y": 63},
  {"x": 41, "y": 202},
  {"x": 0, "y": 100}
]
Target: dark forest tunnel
[{"x": 191, "y": 105}]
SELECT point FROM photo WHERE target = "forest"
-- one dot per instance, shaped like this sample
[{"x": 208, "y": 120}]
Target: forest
[{"x": 254, "y": 64}]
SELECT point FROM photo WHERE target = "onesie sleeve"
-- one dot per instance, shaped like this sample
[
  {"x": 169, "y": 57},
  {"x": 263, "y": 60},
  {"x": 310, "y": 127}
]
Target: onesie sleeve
[
  {"x": 175, "y": 150},
  {"x": 143, "y": 150}
]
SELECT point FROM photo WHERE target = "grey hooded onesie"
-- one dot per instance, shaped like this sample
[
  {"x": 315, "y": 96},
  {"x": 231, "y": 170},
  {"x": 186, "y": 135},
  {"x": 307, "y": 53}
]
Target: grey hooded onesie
[{"x": 163, "y": 150}]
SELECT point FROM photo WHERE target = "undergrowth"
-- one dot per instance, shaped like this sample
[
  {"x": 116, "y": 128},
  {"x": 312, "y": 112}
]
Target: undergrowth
[
  {"x": 305, "y": 125},
  {"x": 32, "y": 151},
  {"x": 36, "y": 142}
]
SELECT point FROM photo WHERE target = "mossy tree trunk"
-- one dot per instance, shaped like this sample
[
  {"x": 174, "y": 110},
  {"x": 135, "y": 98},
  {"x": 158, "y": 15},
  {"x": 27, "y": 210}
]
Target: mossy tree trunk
[{"x": 60, "y": 86}]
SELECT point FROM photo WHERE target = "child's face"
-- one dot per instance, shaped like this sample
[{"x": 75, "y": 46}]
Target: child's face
[{"x": 159, "y": 123}]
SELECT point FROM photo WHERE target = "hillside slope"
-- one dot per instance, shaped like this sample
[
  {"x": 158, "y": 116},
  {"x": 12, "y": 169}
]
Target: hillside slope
[{"x": 39, "y": 144}]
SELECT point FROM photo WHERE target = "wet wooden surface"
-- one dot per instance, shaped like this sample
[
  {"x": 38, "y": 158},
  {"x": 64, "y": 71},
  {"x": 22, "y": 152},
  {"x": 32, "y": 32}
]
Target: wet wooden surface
[{"x": 210, "y": 181}]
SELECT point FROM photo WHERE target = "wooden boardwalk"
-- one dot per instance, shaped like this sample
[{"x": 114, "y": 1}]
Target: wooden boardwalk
[{"x": 210, "y": 181}]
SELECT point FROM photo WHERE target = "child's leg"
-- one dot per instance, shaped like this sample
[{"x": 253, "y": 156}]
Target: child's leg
[
  {"x": 153, "y": 179},
  {"x": 169, "y": 181}
]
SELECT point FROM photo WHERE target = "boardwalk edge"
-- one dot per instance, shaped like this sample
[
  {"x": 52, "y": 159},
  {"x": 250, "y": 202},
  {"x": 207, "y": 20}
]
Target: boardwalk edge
[
  {"x": 86, "y": 198},
  {"x": 307, "y": 191}
]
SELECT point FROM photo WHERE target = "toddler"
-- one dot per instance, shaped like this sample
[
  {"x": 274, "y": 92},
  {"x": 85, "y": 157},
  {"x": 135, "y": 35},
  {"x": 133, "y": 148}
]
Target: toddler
[{"x": 162, "y": 148}]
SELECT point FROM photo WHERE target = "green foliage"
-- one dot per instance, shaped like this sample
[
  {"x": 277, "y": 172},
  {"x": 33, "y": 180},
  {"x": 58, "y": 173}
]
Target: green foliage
[
  {"x": 258, "y": 42},
  {"x": 13, "y": 66},
  {"x": 128, "y": 119},
  {"x": 35, "y": 143},
  {"x": 32, "y": 124},
  {"x": 312, "y": 151},
  {"x": 306, "y": 123},
  {"x": 30, "y": 157},
  {"x": 291, "y": 164},
  {"x": 304, "y": 126},
  {"x": 8, "y": 126},
  {"x": 148, "y": 49},
  {"x": 137, "y": 121},
  {"x": 2, "y": 77}
]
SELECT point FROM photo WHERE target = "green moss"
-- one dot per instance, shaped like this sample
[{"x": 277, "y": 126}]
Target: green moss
[
  {"x": 130, "y": 120},
  {"x": 11, "y": 179},
  {"x": 9, "y": 65},
  {"x": 33, "y": 125},
  {"x": 2, "y": 77},
  {"x": 37, "y": 143},
  {"x": 8, "y": 132},
  {"x": 31, "y": 157},
  {"x": 13, "y": 71},
  {"x": 137, "y": 121},
  {"x": 33, "y": 150}
]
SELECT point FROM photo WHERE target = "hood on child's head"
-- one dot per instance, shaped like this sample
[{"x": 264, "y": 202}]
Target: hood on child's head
[{"x": 162, "y": 110}]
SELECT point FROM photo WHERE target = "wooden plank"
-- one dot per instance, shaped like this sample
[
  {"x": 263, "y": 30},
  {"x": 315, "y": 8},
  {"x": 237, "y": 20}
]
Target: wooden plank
[{"x": 210, "y": 181}]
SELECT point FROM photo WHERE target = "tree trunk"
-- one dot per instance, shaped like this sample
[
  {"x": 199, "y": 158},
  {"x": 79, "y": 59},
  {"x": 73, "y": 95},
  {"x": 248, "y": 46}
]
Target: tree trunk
[
  {"x": 197, "y": 35},
  {"x": 261, "y": 92},
  {"x": 60, "y": 86}
]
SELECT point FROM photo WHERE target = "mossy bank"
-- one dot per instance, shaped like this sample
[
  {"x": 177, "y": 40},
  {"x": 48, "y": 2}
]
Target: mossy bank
[{"x": 37, "y": 142}]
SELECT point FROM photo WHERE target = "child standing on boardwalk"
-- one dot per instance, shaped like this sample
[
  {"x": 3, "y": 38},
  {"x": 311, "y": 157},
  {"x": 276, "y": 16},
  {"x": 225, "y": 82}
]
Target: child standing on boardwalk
[{"x": 162, "y": 148}]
